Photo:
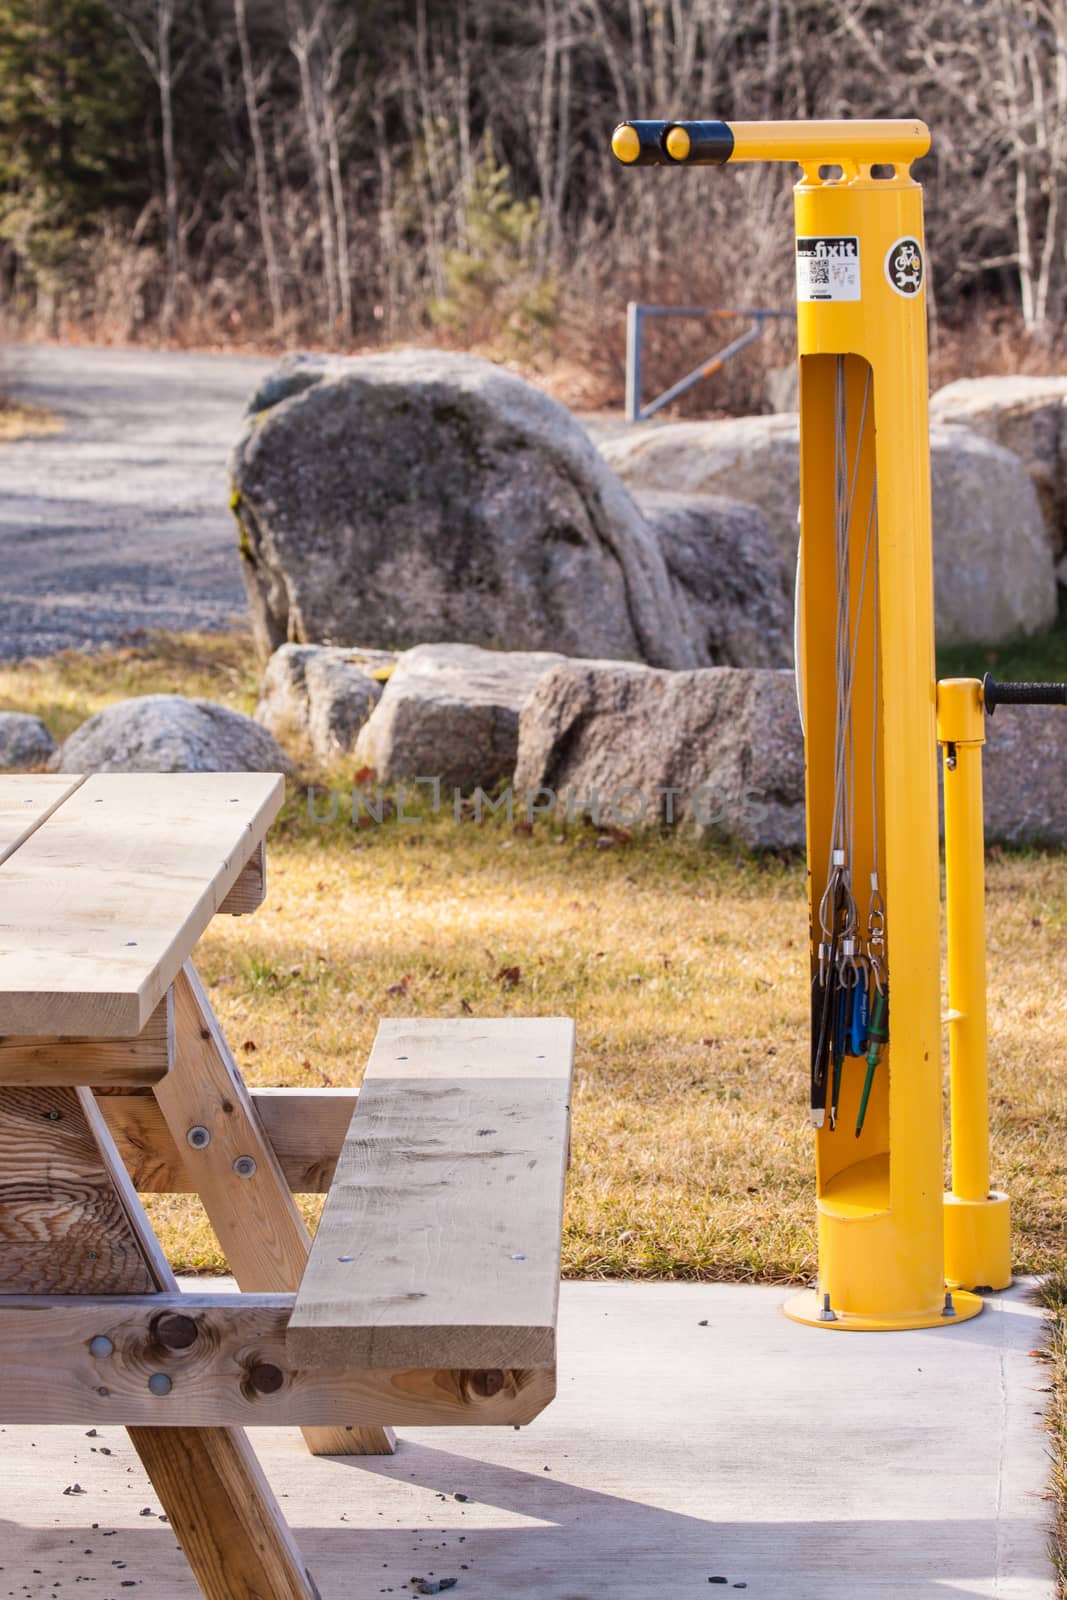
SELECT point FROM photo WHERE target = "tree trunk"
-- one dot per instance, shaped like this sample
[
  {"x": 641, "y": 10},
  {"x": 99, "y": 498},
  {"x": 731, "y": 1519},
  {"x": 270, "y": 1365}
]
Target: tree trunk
[{"x": 259, "y": 154}]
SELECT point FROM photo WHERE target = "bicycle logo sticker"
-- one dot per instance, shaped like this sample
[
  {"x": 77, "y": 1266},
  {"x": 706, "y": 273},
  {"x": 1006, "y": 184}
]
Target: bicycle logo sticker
[{"x": 904, "y": 266}]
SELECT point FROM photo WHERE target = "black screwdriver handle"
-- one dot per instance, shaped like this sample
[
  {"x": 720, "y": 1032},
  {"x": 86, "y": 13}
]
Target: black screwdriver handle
[{"x": 1022, "y": 694}]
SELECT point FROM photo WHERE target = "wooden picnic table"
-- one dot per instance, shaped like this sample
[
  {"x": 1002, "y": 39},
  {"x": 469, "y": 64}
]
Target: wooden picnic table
[{"x": 430, "y": 1295}]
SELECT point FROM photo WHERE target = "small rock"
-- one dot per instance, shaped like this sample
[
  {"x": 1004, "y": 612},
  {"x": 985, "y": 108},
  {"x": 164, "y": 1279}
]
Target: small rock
[
  {"x": 323, "y": 694},
  {"x": 24, "y": 741},
  {"x": 168, "y": 733},
  {"x": 461, "y": 1497},
  {"x": 719, "y": 747},
  {"x": 451, "y": 711},
  {"x": 74, "y": 1488},
  {"x": 718, "y": 1580},
  {"x": 433, "y": 1585},
  {"x": 703, "y": 1324}
]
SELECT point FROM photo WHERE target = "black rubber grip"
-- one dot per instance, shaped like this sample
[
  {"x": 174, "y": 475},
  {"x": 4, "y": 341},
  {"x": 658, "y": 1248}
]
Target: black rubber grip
[
  {"x": 1022, "y": 694},
  {"x": 711, "y": 144}
]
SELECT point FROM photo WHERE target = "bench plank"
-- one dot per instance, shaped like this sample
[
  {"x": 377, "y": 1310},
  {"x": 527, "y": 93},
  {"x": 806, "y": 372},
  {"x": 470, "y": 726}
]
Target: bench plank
[
  {"x": 439, "y": 1245},
  {"x": 103, "y": 902}
]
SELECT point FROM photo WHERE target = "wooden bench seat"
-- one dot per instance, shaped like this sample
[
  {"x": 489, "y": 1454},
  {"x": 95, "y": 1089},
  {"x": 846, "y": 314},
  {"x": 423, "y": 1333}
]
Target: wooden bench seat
[{"x": 439, "y": 1246}]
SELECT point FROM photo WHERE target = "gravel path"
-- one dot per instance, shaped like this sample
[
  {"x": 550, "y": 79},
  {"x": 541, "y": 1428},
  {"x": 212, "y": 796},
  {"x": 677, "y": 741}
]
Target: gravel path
[{"x": 119, "y": 522}]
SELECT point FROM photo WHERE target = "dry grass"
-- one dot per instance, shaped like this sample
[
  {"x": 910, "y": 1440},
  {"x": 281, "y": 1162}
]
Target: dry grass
[
  {"x": 683, "y": 966},
  {"x": 19, "y": 420}
]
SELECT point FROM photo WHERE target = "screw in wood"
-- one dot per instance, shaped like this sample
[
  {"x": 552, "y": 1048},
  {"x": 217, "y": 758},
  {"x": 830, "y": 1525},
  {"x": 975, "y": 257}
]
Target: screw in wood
[
  {"x": 198, "y": 1137},
  {"x": 101, "y": 1347},
  {"x": 174, "y": 1331},
  {"x": 159, "y": 1383},
  {"x": 244, "y": 1166}
]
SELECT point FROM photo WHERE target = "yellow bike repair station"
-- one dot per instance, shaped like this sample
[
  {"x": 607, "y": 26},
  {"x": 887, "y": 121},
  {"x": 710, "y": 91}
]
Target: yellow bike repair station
[{"x": 869, "y": 704}]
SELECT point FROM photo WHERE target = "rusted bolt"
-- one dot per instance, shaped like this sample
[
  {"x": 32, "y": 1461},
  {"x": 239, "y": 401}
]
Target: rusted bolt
[
  {"x": 487, "y": 1384},
  {"x": 266, "y": 1378},
  {"x": 198, "y": 1137},
  {"x": 174, "y": 1331},
  {"x": 244, "y": 1166},
  {"x": 101, "y": 1347},
  {"x": 159, "y": 1383}
]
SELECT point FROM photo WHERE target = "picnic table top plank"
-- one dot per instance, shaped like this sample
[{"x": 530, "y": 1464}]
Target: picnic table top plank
[
  {"x": 102, "y": 902},
  {"x": 26, "y": 800}
]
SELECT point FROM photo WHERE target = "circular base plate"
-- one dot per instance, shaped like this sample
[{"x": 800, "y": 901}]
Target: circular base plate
[{"x": 807, "y": 1307}]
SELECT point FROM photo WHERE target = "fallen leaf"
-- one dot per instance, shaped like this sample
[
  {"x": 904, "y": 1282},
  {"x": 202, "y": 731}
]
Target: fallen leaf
[
  {"x": 509, "y": 976},
  {"x": 249, "y": 1046}
]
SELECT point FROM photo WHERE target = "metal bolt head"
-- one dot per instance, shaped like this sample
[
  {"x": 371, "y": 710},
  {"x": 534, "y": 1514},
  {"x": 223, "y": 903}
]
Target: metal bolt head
[
  {"x": 198, "y": 1137},
  {"x": 244, "y": 1166},
  {"x": 266, "y": 1378},
  {"x": 174, "y": 1331},
  {"x": 101, "y": 1347},
  {"x": 159, "y": 1383},
  {"x": 487, "y": 1384}
]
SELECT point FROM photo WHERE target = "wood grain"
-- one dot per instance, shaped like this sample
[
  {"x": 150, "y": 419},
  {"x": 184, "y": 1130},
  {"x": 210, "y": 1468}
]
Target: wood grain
[
  {"x": 64, "y": 1228},
  {"x": 305, "y": 1128},
  {"x": 250, "y": 889},
  {"x": 210, "y": 1484},
  {"x": 26, "y": 800},
  {"x": 258, "y": 1224},
  {"x": 232, "y": 1369},
  {"x": 101, "y": 1063},
  {"x": 102, "y": 903},
  {"x": 439, "y": 1245},
  {"x": 224, "y": 1514}
]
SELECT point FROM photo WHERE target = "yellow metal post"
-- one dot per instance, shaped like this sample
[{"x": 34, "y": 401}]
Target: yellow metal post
[
  {"x": 861, "y": 323},
  {"x": 977, "y": 1220}
]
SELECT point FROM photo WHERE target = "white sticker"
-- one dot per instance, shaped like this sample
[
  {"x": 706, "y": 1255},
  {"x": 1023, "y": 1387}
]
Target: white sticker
[{"x": 828, "y": 268}]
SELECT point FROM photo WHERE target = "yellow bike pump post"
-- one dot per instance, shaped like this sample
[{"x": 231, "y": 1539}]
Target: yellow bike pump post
[
  {"x": 977, "y": 1221},
  {"x": 868, "y": 691}
]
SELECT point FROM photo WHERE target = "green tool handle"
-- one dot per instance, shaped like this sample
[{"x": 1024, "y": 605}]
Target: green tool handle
[{"x": 877, "y": 1037}]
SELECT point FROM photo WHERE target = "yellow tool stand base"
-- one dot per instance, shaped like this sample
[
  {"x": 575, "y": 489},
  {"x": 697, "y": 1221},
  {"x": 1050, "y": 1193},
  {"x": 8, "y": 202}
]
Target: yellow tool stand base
[
  {"x": 978, "y": 1242},
  {"x": 808, "y": 1307}
]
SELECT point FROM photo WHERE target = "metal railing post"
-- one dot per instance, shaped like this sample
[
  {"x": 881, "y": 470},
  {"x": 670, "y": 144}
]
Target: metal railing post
[{"x": 977, "y": 1220}]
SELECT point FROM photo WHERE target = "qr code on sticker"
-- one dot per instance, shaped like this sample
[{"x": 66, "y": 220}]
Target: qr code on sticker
[{"x": 818, "y": 272}]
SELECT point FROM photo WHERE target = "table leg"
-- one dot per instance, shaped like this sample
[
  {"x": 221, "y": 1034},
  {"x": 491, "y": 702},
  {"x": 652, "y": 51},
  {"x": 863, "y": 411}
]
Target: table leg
[
  {"x": 71, "y": 1223},
  {"x": 239, "y": 1180}
]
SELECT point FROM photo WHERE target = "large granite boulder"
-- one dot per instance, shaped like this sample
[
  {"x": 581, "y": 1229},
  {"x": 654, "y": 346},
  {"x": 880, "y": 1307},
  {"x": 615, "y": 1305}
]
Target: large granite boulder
[
  {"x": 321, "y": 695},
  {"x": 994, "y": 577},
  {"x": 1024, "y": 775},
  {"x": 1027, "y": 416},
  {"x": 729, "y": 573},
  {"x": 719, "y": 748},
  {"x": 168, "y": 733},
  {"x": 425, "y": 495},
  {"x": 24, "y": 741},
  {"x": 451, "y": 711},
  {"x": 753, "y": 459}
]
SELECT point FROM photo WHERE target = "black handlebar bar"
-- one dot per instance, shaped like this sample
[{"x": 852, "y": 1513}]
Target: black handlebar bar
[{"x": 1022, "y": 694}]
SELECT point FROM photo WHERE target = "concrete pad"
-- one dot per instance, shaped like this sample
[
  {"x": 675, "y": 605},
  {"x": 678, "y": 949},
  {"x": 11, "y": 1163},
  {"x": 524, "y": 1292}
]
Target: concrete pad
[{"x": 795, "y": 1463}]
